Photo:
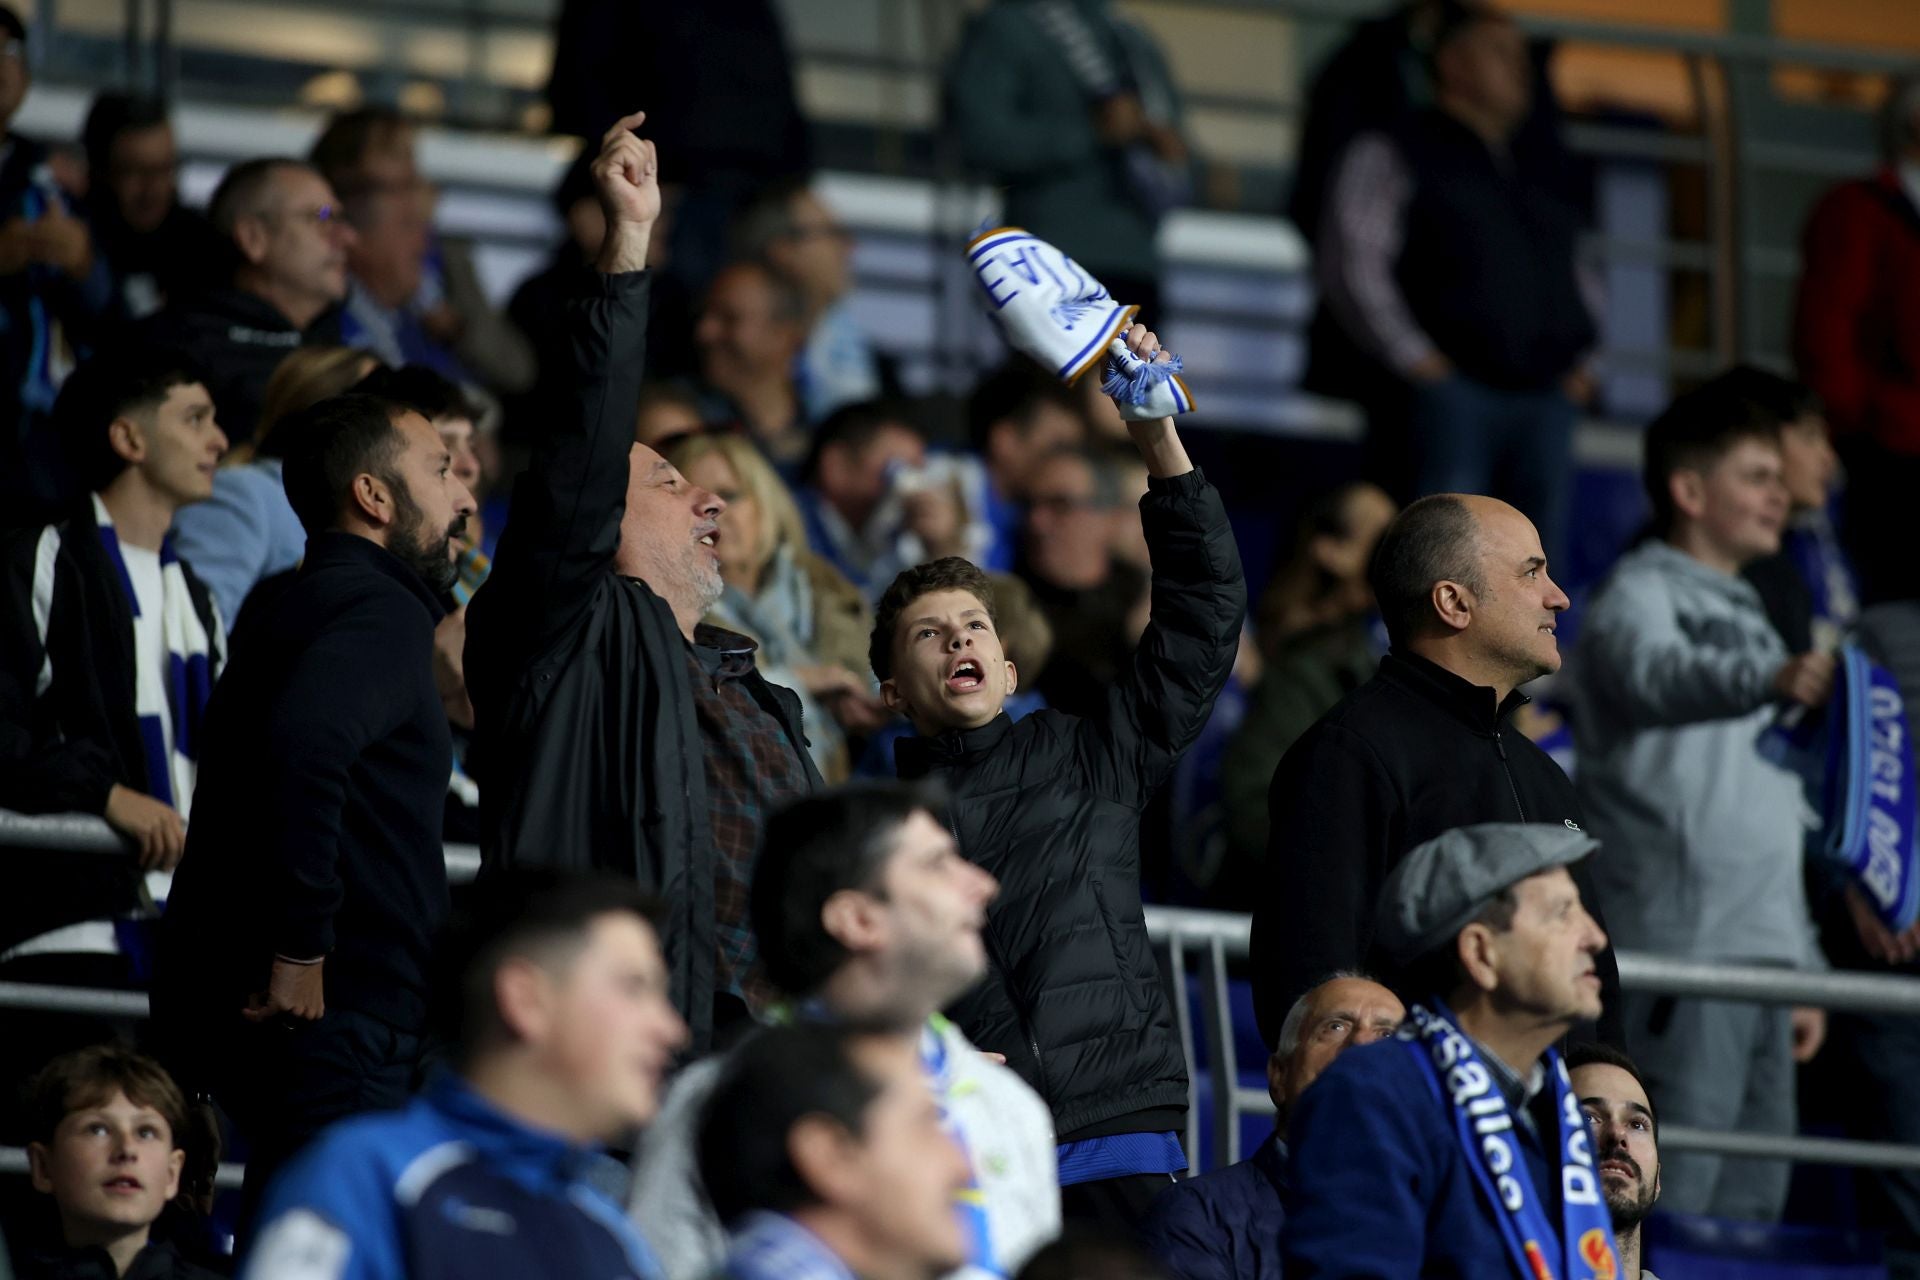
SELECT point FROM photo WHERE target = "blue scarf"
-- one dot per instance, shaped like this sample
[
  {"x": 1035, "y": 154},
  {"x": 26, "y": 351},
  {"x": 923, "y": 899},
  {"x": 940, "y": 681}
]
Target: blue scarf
[
  {"x": 1869, "y": 808},
  {"x": 1583, "y": 1248}
]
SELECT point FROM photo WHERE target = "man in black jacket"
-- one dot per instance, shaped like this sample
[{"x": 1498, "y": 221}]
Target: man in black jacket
[
  {"x": 1424, "y": 746},
  {"x": 314, "y": 878},
  {"x": 614, "y": 731},
  {"x": 1051, "y": 806}
]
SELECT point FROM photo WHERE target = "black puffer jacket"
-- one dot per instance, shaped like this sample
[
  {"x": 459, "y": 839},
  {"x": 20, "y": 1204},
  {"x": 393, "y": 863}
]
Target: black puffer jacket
[{"x": 1051, "y": 806}]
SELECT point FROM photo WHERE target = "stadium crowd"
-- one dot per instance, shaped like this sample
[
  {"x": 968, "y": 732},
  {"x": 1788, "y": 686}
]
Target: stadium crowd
[{"x": 820, "y": 761}]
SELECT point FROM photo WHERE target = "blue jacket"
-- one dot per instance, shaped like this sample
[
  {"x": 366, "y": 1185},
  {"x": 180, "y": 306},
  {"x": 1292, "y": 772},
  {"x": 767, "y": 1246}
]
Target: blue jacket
[
  {"x": 1378, "y": 1187},
  {"x": 1223, "y": 1225},
  {"x": 450, "y": 1187}
]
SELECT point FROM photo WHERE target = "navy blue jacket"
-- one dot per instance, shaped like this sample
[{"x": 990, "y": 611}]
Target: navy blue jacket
[
  {"x": 449, "y": 1188},
  {"x": 1223, "y": 1225},
  {"x": 1378, "y": 1187}
]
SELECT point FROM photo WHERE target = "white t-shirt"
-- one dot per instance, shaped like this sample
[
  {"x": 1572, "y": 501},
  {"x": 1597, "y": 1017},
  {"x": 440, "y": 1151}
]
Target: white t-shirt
[{"x": 149, "y": 636}]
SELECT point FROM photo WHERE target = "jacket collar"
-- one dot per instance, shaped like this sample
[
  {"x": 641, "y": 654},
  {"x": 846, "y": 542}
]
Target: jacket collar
[
  {"x": 1270, "y": 1158},
  {"x": 335, "y": 547},
  {"x": 1471, "y": 704},
  {"x": 916, "y": 756},
  {"x": 506, "y": 1142}
]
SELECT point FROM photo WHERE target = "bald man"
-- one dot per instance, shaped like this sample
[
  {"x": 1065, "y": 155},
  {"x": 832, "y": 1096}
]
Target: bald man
[
  {"x": 1225, "y": 1225},
  {"x": 1425, "y": 746}
]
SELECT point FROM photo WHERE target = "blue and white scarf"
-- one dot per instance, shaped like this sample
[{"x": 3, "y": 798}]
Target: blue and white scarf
[
  {"x": 771, "y": 1246},
  {"x": 175, "y": 699},
  {"x": 1582, "y": 1247}
]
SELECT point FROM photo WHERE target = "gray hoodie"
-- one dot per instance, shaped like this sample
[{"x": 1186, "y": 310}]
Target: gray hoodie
[{"x": 1702, "y": 835}]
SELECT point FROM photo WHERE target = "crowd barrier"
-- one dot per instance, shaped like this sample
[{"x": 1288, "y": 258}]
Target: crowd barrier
[{"x": 1216, "y": 939}]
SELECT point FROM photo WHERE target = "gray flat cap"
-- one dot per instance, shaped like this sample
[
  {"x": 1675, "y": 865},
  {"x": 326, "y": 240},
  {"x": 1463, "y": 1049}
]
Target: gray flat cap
[{"x": 1440, "y": 886}]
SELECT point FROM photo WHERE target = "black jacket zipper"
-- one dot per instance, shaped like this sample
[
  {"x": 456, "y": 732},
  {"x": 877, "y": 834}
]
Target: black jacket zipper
[{"x": 1505, "y": 768}]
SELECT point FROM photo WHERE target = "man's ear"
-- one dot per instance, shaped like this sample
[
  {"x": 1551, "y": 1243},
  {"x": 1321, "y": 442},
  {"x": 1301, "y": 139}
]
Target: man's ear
[
  {"x": 1687, "y": 488},
  {"x": 1453, "y": 604},
  {"x": 251, "y": 237},
  {"x": 819, "y": 1150},
  {"x": 895, "y": 700},
  {"x": 521, "y": 994},
  {"x": 127, "y": 440},
  {"x": 38, "y": 1160},
  {"x": 1013, "y": 677},
  {"x": 372, "y": 498},
  {"x": 1479, "y": 950},
  {"x": 852, "y": 919},
  {"x": 176, "y": 1161}
]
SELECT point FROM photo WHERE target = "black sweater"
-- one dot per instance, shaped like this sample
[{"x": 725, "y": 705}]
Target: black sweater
[
  {"x": 1413, "y": 752},
  {"x": 238, "y": 339},
  {"x": 316, "y": 821}
]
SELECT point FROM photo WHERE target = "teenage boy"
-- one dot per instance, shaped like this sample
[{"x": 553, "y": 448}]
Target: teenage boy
[
  {"x": 1680, "y": 675},
  {"x": 1051, "y": 806},
  {"x": 106, "y": 1146}
]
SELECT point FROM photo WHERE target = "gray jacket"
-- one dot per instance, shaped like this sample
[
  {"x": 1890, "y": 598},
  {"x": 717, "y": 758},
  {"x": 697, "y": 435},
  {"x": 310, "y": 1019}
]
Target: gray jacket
[{"x": 1702, "y": 835}]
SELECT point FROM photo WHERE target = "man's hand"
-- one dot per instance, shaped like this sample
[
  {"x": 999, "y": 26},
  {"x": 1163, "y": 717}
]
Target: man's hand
[
  {"x": 449, "y": 667},
  {"x": 61, "y": 241},
  {"x": 1882, "y": 943},
  {"x": 1120, "y": 119},
  {"x": 1809, "y": 1032},
  {"x": 627, "y": 174},
  {"x": 292, "y": 988},
  {"x": 158, "y": 832},
  {"x": 1807, "y": 678},
  {"x": 1158, "y": 443},
  {"x": 1430, "y": 368}
]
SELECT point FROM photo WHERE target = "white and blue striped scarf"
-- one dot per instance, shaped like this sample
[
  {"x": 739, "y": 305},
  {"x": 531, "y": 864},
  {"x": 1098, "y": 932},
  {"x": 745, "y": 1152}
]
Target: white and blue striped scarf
[
  {"x": 771, "y": 1246},
  {"x": 175, "y": 699}
]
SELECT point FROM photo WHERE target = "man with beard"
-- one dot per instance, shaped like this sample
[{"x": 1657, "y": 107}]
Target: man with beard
[
  {"x": 1626, "y": 1142},
  {"x": 314, "y": 879}
]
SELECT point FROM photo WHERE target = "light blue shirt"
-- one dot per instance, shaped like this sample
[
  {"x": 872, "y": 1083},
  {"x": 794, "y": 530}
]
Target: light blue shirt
[{"x": 245, "y": 532}]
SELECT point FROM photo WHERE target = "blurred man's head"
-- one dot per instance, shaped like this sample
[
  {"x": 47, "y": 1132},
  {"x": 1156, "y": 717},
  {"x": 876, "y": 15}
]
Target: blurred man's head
[
  {"x": 1715, "y": 477},
  {"x": 856, "y": 453},
  {"x": 861, "y": 896},
  {"x": 1017, "y": 415},
  {"x": 131, "y": 159},
  {"x": 670, "y": 536},
  {"x": 577, "y": 202},
  {"x": 289, "y": 233},
  {"x": 554, "y": 996},
  {"x": 1347, "y": 1009},
  {"x": 1808, "y": 465},
  {"x": 1626, "y": 1130},
  {"x": 15, "y": 80},
  {"x": 790, "y": 228},
  {"x": 392, "y": 232},
  {"x": 666, "y": 412},
  {"x": 1462, "y": 581},
  {"x": 1073, "y": 502},
  {"x": 367, "y": 466},
  {"x": 140, "y": 420},
  {"x": 368, "y": 146},
  {"x": 1481, "y": 68},
  {"x": 751, "y": 328},
  {"x": 936, "y": 648},
  {"x": 838, "y": 1130}
]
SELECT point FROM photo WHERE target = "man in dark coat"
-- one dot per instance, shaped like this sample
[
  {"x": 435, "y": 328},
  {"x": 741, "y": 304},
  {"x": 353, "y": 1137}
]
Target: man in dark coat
[
  {"x": 314, "y": 878},
  {"x": 614, "y": 731},
  {"x": 1051, "y": 806},
  {"x": 1424, "y": 746}
]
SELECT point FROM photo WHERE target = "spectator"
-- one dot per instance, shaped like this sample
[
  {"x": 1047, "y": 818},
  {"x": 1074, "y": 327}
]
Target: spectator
[
  {"x": 790, "y": 228},
  {"x": 614, "y": 731},
  {"x": 853, "y": 515},
  {"x": 1447, "y": 255},
  {"x": 1403, "y": 1154},
  {"x": 289, "y": 248},
  {"x": 156, "y": 249},
  {"x": 1051, "y": 806},
  {"x": 101, "y": 612},
  {"x": 1424, "y": 746},
  {"x": 1679, "y": 674},
  {"x": 1856, "y": 336},
  {"x": 825, "y": 1152},
  {"x": 315, "y": 877},
  {"x": 53, "y": 290},
  {"x": 1074, "y": 112},
  {"x": 1094, "y": 599},
  {"x": 1317, "y": 634},
  {"x": 1626, "y": 1142},
  {"x": 750, "y": 334},
  {"x": 109, "y": 1132},
  {"x": 1016, "y": 416},
  {"x": 553, "y": 998},
  {"x": 869, "y": 916},
  {"x": 417, "y": 296},
  {"x": 667, "y": 412},
  {"x": 1225, "y": 1225},
  {"x": 247, "y": 531},
  {"x": 811, "y": 623}
]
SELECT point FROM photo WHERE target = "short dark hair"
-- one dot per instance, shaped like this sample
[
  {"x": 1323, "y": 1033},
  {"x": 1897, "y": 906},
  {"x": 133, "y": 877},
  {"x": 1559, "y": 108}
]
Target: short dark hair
[
  {"x": 327, "y": 444},
  {"x": 854, "y": 427},
  {"x": 1785, "y": 399},
  {"x": 243, "y": 190},
  {"x": 1696, "y": 431},
  {"x": 950, "y": 573},
  {"x": 766, "y": 217},
  {"x": 509, "y": 915},
  {"x": 1013, "y": 393},
  {"x": 90, "y": 1076},
  {"x": 1434, "y": 540},
  {"x": 768, "y": 1085},
  {"x": 112, "y": 114},
  {"x": 341, "y": 149},
  {"x": 1103, "y": 466},
  {"x": 812, "y": 849},
  {"x": 789, "y": 304},
  {"x": 418, "y": 388},
  {"x": 134, "y": 379},
  {"x": 1592, "y": 1053},
  {"x": 1081, "y": 1253},
  {"x": 1439, "y": 971},
  {"x": 1454, "y": 18},
  {"x": 10, "y": 23}
]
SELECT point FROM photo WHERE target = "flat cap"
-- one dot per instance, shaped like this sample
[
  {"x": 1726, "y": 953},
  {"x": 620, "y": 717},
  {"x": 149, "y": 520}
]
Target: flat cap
[{"x": 1440, "y": 886}]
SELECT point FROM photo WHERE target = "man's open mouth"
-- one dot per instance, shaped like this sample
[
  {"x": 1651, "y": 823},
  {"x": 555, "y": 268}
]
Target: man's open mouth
[{"x": 966, "y": 676}]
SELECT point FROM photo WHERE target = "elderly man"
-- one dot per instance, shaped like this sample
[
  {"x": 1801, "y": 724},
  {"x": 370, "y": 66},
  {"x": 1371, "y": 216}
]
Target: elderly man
[
  {"x": 1225, "y": 1225},
  {"x": 1626, "y": 1142},
  {"x": 1426, "y": 745},
  {"x": 1458, "y": 1147},
  {"x": 614, "y": 731}
]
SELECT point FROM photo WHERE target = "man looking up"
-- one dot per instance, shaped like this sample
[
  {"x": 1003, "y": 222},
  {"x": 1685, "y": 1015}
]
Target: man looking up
[
  {"x": 315, "y": 878},
  {"x": 1428, "y": 744},
  {"x": 1457, "y": 1148},
  {"x": 866, "y": 914},
  {"x": 1626, "y": 1142},
  {"x": 614, "y": 731},
  {"x": 1051, "y": 805}
]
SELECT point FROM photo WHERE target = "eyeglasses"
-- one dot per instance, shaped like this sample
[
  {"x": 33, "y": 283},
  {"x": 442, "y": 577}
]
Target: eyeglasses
[{"x": 324, "y": 215}]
